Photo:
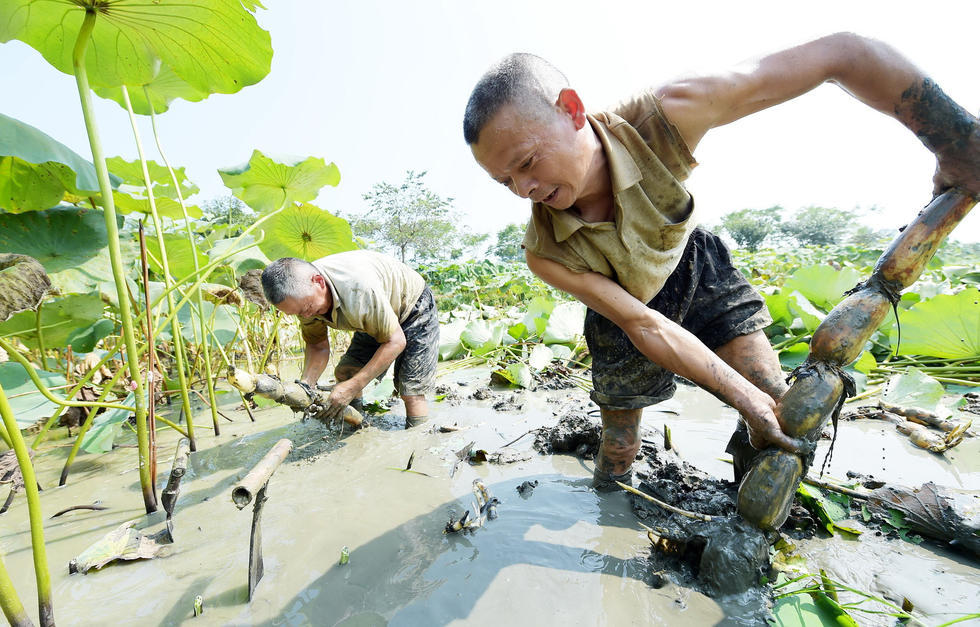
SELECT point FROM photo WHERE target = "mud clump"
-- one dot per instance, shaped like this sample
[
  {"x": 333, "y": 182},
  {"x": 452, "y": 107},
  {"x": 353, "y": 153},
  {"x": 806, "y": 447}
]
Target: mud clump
[
  {"x": 482, "y": 394},
  {"x": 449, "y": 394},
  {"x": 573, "y": 430},
  {"x": 508, "y": 404},
  {"x": 526, "y": 489},
  {"x": 723, "y": 556}
]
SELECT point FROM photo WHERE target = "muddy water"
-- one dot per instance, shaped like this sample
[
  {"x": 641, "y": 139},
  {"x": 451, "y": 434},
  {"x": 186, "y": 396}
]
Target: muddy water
[{"x": 562, "y": 554}]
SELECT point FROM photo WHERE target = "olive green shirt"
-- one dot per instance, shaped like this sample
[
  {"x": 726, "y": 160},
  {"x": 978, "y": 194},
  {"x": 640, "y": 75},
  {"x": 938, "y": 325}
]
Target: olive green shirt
[
  {"x": 372, "y": 293},
  {"x": 654, "y": 213}
]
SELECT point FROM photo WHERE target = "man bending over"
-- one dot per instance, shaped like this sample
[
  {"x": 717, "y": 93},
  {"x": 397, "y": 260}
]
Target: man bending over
[
  {"x": 612, "y": 224},
  {"x": 385, "y": 303}
]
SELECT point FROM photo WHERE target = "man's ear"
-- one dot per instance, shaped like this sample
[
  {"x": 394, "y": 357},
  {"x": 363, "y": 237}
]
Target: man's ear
[
  {"x": 570, "y": 103},
  {"x": 317, "y": 279}
]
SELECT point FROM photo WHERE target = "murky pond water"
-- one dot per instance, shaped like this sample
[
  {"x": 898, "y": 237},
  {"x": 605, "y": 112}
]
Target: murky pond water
[{"x": 563, "y": 554}]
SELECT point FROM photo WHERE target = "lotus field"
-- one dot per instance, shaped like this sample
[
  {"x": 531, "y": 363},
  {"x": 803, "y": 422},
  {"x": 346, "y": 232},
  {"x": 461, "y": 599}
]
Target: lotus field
[{"x": 120, "y": 303}]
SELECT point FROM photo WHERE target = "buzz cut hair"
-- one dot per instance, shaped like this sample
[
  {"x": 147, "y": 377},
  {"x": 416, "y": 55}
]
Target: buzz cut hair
[
  {"x": 519, "y": 78},
  {"x": 285, "y": 278}
]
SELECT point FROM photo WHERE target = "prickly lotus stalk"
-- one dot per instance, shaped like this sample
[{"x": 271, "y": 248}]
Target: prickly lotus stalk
[{"x": 766, "y": 493}]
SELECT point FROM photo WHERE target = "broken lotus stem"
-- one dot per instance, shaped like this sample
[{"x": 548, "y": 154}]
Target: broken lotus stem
[
  {"x": 659, "y": 503},
  {"x": 243, "y": 493}
]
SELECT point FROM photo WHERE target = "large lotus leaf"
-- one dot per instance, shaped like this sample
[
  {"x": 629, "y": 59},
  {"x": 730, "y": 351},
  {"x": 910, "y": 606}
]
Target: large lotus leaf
[
  {"x": 180, "y": 255},
  {"x": 223, "y": 323},
  {"x": 947, "y": 326},
  {"x": 105, "y": 427},
  {"x": 83, "y": 340},
  {"x": 518, "y": 374},
  {"x": 450, "y": 345},
  {"x": 60, "y": 318},
  {"x": 914, "y": 388},
  {"x": 266, "y": 184},
  {"x": 28, "y": 404},
  {"x": 536, "y": 319},
  {"x": 786, "y": 308},
  {"x": 214, "y": 45},
  {"x": 306, "y": 232},
  {"x": 241, "y": 262},
  {"x": 162, "y": 89},
  {"x": 476, "y": 334},
  {"x": 131, "y": 173},
  {"x": 136, "y": 202},
  {"x": 23, "y": 284},
  {"x": 822, "y": 285},
  {"x": 565, "y": 323},
  {"x": 37, "y": 171},
  {"x": 70, "y": 243}
]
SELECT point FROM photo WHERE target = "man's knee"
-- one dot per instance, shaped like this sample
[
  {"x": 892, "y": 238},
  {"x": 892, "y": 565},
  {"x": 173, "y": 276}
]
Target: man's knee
[{"x": 344, "y": 372}]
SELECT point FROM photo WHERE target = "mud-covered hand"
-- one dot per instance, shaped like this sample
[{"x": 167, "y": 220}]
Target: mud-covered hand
[
  {"x": 764, "y": 430},
  {"x": 959, "y": 165},
  {"x": 341, "y": 396}
]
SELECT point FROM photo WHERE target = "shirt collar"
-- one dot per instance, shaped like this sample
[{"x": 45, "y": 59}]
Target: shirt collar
[{"x": 623, "y": 174}]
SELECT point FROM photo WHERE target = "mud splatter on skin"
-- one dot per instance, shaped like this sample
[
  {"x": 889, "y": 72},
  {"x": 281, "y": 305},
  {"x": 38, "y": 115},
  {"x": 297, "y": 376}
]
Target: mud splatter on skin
[
  {"x": 947, "y": 129},
  {"x": 620, "y": 440}
]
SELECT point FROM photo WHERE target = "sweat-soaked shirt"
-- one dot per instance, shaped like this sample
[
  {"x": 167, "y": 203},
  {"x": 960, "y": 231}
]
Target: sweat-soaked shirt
[
  {"x": 372, "y": 293},
  {"x": 654, "y": 213}
]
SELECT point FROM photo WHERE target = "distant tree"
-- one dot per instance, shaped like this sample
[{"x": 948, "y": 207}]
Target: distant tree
[
  {"x": 413, "y": 222},
  {"x": 226, "y": 211},
  {"x": 866, "y": 237},
  {"x": 819, "y": 226},
  {"x": 508, "y": 246},
  {"x": 750, "y": 227}
]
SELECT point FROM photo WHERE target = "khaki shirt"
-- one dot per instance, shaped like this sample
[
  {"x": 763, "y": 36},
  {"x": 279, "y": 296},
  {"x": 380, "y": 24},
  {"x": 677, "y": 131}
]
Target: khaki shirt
[
  {"x": 653, "y": 217},
  {"x": 372, "y": 293}
]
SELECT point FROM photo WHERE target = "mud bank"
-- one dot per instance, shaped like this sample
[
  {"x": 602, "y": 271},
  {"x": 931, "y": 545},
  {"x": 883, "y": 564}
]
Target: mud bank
[{"x": 558, "y": 553}]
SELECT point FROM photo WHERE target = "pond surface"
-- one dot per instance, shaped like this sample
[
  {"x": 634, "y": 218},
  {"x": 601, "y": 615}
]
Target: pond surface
[{"x": 562, "y": 555}]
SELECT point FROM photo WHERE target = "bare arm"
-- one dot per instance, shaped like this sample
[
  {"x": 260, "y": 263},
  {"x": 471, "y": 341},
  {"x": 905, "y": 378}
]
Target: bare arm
[
  {"x": 668, "y": 345},
  {"x": 871, "y": 71},
  {"x": 315, "y": 358}
]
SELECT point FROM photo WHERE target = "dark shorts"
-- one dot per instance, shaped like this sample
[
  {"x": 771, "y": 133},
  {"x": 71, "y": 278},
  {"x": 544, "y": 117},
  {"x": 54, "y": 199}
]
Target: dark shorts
[
  {"x": 705, "y": 294},
  {"x": 415, "y": 368}
]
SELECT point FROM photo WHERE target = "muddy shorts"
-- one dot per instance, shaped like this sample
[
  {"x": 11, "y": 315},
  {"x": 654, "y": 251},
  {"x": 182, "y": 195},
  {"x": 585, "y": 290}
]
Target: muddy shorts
[
  {"x": 705, "y": 294},
  {"x": 415, "y": 368}
]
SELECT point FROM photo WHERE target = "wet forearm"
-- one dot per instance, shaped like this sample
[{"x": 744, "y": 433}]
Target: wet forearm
[{"x": 315, "y": 358}]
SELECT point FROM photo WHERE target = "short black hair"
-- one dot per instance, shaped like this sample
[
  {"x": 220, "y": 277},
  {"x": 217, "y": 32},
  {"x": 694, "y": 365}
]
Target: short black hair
[
  {"x": 282, "y": 278},
  {"x": 520, "y": 77}
]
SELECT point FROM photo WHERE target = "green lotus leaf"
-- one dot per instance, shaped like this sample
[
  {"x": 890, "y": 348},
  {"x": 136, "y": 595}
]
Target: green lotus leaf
[
  {"x": 105, "y": 427},
  {"x": 822, "y": 285},
  {"x": 223, "y": 323},
  {"x": 450, "y": 345},
  {"x": 216, "y": 46},
  {"x": 266, "y": 184},
  {"x": 947, "y": 326},
  {"x": 83, "y": 340},
  {"x": 306, "y": 232},
  {"x": 786, "y": 308},
  {"x": 23, "y": 284},
  {"x": 517, "y": 331},
  {"x": 914, "y": 388},
  {"x": 69, "y": 242},
  {"x": 565, "y": 324},
  {"x": 60, "y": 319},
  {"x": 180, "y": 256},
  {"x": 28, "y": 404},
  {"x": 476, "y": 334},
  {"x": 37, "y": 171},
  {"x": 137, "y": 202},
  {"x": 162, "y": 89},
  {"x": 131, "y": 173},
  {"x": 793, "y": 356},
  {"x": 242, "y": 261},
  {"x": 518, "y": 374}
]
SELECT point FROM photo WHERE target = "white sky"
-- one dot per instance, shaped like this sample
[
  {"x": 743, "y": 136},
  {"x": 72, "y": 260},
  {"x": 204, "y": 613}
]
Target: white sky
[{"x": 379, "y": 88}]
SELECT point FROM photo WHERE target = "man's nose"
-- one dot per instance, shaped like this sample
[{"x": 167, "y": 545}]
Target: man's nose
[{"x": 524, "y": 186}]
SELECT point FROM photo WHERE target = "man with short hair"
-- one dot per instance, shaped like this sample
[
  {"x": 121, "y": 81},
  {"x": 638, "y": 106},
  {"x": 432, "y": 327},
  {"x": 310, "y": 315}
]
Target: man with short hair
[
  {"x": 613, "y": 225},
  {"x": 385, "y": 303}
]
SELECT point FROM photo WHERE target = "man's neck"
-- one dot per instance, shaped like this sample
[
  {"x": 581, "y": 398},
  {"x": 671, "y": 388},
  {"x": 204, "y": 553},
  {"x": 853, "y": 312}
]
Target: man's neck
[{"x": 596, "y": 204}]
